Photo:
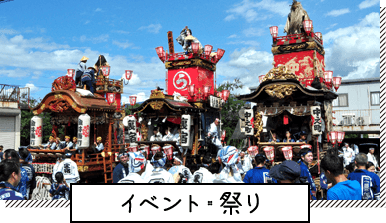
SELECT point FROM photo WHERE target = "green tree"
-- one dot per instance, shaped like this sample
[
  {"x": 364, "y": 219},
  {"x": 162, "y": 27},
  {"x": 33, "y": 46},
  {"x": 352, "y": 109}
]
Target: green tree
[{"x": 230, "y": 111}]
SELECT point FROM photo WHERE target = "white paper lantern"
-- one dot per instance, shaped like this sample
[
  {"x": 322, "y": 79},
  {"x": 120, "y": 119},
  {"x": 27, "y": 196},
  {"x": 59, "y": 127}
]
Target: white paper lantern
[
  {"x": 84, "y": 131},
  {"x": 36, "y": 133}
]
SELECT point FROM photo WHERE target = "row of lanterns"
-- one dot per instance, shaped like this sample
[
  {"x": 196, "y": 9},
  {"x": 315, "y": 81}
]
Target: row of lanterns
[
  {"x": 335, "y": 137},
  {"x": 270, "y": 151},
  {"x": 224, "y": 94},
  {"x": 105, "y": 72},
  {"x": 328, "y": 80},
  {"x": 307, "y": 25},
  {"x": 195, "y": 48}
]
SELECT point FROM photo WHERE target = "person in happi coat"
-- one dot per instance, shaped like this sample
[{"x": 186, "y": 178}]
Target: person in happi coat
[
  {"x": 10, "y": 176},
  {"x": 69, "y": 170},
  {"x": 305, "y": 176},
  {"x": 122, "y": 169},
  {"x": 203, "y": 175},
  {"x": 60, "y": 188},
  {"x": 159, "y": 174},
  {"x": 180, "y": 169},
  {"x": 137, "y": 165},
  {"x": 80, "y": 69}
]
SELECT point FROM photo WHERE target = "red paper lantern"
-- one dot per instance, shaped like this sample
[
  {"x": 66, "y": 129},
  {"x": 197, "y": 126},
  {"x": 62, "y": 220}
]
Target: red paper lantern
[
  {"x": 133, "y": 100},
  {"x": 287, "y": 151},
  {"x": 269, "y": 152},
  {"x": 128, "y": 74},
  {"x": 71, "y": 73},
  {"x": 206, "y": 91},
  {"x": 328, "y": 76},
  {"x": 253, "y": 150},
  {"x": 307, "y": 25},
  {"x": 191, "y": 90},
  {"x": 225, "y": 95},
  {"x": 285, "y": 119},
  {"x": 333, "y": 137},
  {"x": 168, "y": 149},
  {"x": 340, "y": 137},
  {"x": 132, "y": 149},
  {"x": 110, "y": 97},
  {"x": 208, "y": 50},
  {"x": 105, "y": 70},
  {"x": 160, "y": 52},
  {"x": 195, "y": 47},
  {"x": 336, "y": 82},
  {"x": 274, "y": 31},
  {"x": 319, "y": 35},
  {"x": 220, "y": 53},
  {"x": 219, "y": 94},
  {"x": 155, "y": 149}
]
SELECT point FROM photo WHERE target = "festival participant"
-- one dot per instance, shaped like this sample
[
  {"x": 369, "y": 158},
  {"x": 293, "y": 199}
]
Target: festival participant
[
  {"x": 168, "y": 135},
  {"x": 69, "y": 170},
  {"x": 303, "y": 136},
  {"x": 99, "y": 64},
  {"x": 148, "y": 167},
  {"x": 58, "y": 190},
  {"x": 88, "y": 79},
  {"x": 348, "y": 154},
  {"x": 57, "y": 144},
  {"x": 372, "y": 158},
  {"x": 213, "y": 134},
  {"x": 10, "y": 176},
  {"x": 342, "y": 189},
  {"x": 288, "y": 137},
  {"x": 274, "y": 138},
  {"x": 369, "y": 182},
  {"x": 159, "y": 174},
  {"x": 178, "y": 168},
  {"x": 80, "y": 69},
  {"x": 370, "y": 167},
  {"x": 55, "y": 168},
  {"x": 185, "y": 39},
  {"x": 203, "y": 175},
  {"x": 74, "y": 149},
  {"x": 122, "y": 169},
  {"x": 157, "y": 136},
  {"x": 259, "y": 174},
  {"x": 67, "y": 144},
  {"x": 245, "y": 161},
  {"x": 228, "y": 158},
  {"x": 98, "y": 145},
  {"x": 50, "y": 144},
  {"x": 286, "y": 172},
  {"x": 305, "y": 176},
  {"x": 31, "y": 183},
  {"x": 11, "y": 154},
  {"x": 137, "y": 165}
]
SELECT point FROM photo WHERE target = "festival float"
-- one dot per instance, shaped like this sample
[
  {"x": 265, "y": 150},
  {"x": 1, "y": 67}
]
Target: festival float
[
  {"x": 86, "y": 116},
  {"x": 296, "y": 94}
]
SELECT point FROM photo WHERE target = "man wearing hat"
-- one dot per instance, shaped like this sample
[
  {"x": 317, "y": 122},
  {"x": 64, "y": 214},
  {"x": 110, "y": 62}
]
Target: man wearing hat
[
  {"x": 69, "y": 170},
  {"x": 80, "y": 69},
  {"x": 286, "y": 172},
  {"x": 88, "y": 78},
  {"x": 98, "y": 145},
  {"x": 137, "y": 166},
  {"x": 259, "y": 174},
  {"x": 122, "y": 169},
  {"x": 303, "y": 136},
  {"x": 369, "y": 182},
  {"x": 159, "y": 174},
  {"x": 178, "y": 168},
  {"x": 342, "y": 188},
  {"x": 305, "y": 176},
  {"x": 372, "y": 158}
]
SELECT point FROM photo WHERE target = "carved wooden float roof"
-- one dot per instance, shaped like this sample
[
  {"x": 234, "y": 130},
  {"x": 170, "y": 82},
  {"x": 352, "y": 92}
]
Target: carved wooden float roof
[
  {"x": 159, "y": 103},
  {"x": 62, "y": 100},
  {"x": 286, "y": 91}
]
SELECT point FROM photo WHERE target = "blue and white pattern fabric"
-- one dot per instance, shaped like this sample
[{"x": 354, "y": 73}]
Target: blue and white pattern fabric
[
  {"x": 22, "y": 186},
  {"x": 31, "y": 184},
  {"x": 229, "y": 156},
  {"x": 58, "y": 191},
  {"x": 69, "y": 170},
  {"x": 370, "y": 183},
  {"x": 306, "y": 173},
  {"x": 136, "y": 161},
  {"x": 159, "y": 163},
  {"x": 182, "y": 170},
  {"x": 202, "y": 176},
  {"x": 8, "y": 192}
]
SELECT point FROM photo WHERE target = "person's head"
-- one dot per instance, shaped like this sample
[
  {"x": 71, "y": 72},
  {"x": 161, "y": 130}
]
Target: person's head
[
  {"x": 67, "y": 138},
  {"x": 23, "y": 152},
  {"x": 346, "y": 145},
  {"x": 332, "y": 165},
  {"x": 57, "y": 140},
  {"x": 99, "y": 139},
  {"x": 188, "y": 32},
  {"x": 370, "y": 167},
  {"x": 11, "y": 154},
  {"x": 274, "y": 135},
  {"x": 216, "y": 121},
  {"x": 371, "y": 150},
  {"x": 101, "y": 61},
  {"x": 361, "y": 160},
  {"x": 306, "y": 155},
  {"x": 207, "y": 160},
  {"x": 74, "y": 139},
  {"x": 1, "y": 149},
  {"x": 51, "y": 139},
  {"x": 177, "y": 160},
  {"x": 123, "y": 157},
  {"x": 260, "y": 160},
  {"x": 155, "y": 130},
  {"x": 158, "y": 160},
  {"x": 351, "y": 167},
  {"x": 59, "y": 177},
  {"x": 10, "y": 172},
  {"x": 286, "y": 172},
  {"x": 288, "y": 134},
  {"x": 67, "y": 154},
  {"x": 84, "y": 59},
  {"x": 303, "y": 135}
]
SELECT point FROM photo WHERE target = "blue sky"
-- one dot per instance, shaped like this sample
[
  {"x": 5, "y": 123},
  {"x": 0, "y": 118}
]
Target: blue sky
[{"x": 39, "y": 39}]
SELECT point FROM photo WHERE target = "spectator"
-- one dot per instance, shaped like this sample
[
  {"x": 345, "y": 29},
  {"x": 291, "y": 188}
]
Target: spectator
[
  {"x": 259, "y": 174},
  {"x": 159, "y": 174},
  {"x": 11, "y": 154},
  {"x": 10, "y": 176},
  {"x": 355, "y": 148},
  {"x": 342, "y": 188},
  {"x": 369, "y": 182},
  {"x": 305, "y": 175},
  {"x": 372, "y": 158},
  {"x": 31, "y": 184},
  {"x": 286, "y": 172},
  {"x": 288, "y": 137},
  {"x": 137, "y": 164},
  {"x": 178, "y": 168},
  {"x": 348, "y": 154},
  {"x": 69, "y": 170},
  {"x": 58, "y": 190},
  {"x": 203, "y": 175},
  {"x": 370, "y": 167},
  {"x": 122, "y": 169}
]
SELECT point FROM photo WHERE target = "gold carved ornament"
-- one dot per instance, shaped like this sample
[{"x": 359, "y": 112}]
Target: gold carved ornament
[
  {"x": 258, "y": 125},
  {"x": 157, "y": 94},
  {"x": 280, "y": 73},
  {"x": 157, "y": 105},
  {"x": 280, "y": 91},
  {"x": 144, "y": 129}
]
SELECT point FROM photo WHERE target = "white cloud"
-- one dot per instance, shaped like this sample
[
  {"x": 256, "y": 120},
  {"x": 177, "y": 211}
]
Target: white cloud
[
  {"x": 152, "y": 28},
  {"x": 32, "y": 87},
  {"x": 338, "y": 12},
  {"x": 134, "y": 81},
  {"x": 252, "y": 32},
  {"x": 98, "y": 10},
  {"x": 232, "y": 36},
  {"x": 251, "y": 11},
  {"x": 244, "y": 42},
  {"x": 123, "y": 45},
  {"x": 8, "y": 32},
  {"x": 99, "y": 39},
  {"x": 354, "y": 51},
  {"x": 120, "y": 31},
  {"x": 368, "y": 3}
]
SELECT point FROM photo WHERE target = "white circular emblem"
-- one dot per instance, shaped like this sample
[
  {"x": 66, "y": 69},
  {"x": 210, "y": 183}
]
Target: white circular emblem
[{"x": 181, "y": 80}]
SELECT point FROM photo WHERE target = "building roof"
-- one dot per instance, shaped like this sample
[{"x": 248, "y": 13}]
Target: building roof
[{"x": 361, "y": 80}]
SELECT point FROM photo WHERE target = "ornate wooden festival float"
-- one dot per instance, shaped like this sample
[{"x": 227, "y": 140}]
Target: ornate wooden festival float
[
  {"x": 86, "y": 116},
  {"x": 190, "y": 102},
  {"x": 295, "y": 95}
]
